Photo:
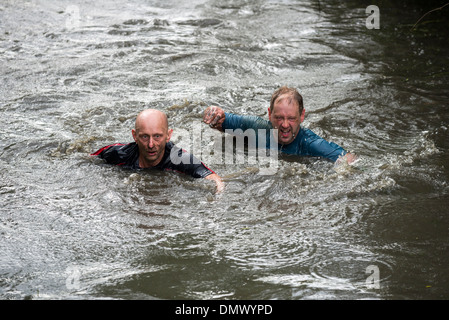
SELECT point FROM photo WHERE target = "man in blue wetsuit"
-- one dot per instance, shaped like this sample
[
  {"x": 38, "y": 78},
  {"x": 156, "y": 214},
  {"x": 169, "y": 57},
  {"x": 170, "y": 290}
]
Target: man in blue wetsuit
[
  {"x": 152, "y": 149},
  {"x": 286, "y": 113}
]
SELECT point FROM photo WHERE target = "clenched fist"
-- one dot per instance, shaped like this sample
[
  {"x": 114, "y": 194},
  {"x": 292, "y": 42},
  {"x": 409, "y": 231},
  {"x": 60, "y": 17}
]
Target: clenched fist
[{"x": 214, "y": 117}]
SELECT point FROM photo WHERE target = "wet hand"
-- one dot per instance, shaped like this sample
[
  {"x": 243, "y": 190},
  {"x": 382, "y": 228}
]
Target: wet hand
[
  {"x": 219, "y": 183},
  {"x": 214, "y": 117},
  {"x": 348, "y": 158}
]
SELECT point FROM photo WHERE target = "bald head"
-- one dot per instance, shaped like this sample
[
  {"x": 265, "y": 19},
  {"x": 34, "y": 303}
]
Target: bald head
[
  {"x": 153, "y": 116},
  {"x": 151, "y": 134}
]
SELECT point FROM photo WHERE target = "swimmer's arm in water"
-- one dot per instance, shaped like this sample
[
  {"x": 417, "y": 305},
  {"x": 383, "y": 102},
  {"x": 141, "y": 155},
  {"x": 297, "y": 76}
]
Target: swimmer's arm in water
[{"x": 219, "y": 183}]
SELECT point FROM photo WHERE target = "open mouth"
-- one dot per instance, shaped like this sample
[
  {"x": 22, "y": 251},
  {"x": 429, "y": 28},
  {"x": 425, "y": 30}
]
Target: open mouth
[{"x": 285, "y": 133}]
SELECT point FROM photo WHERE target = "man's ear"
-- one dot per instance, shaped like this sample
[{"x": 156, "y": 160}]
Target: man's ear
[
  {"x": 303, "y": 114},
  {"x": 134, "y": 134},
  {"x": 169, "y": 133},
  {"x": 269, "y": 114}
]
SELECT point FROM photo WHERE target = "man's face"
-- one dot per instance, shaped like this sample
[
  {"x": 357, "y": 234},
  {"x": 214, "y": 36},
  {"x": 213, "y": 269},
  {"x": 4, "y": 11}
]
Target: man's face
[
  {"x": 151, "y": 137},
  {"x": 286, "y": 118}
]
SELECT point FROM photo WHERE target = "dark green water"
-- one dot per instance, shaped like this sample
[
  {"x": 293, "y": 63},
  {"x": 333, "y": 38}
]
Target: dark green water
[{"x": 74, "y": 76}]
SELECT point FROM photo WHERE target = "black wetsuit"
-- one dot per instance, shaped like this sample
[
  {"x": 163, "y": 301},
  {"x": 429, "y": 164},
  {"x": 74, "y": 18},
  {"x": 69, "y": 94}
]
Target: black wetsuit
[{"x": 174, "y": 159}]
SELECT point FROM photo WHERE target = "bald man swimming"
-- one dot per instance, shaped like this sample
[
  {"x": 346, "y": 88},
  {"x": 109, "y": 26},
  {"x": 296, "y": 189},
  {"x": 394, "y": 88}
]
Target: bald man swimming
[{"x": 152, "y": 149}]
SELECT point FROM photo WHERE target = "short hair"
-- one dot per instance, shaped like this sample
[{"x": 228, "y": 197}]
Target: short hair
[{"x": 292, "y": 92}]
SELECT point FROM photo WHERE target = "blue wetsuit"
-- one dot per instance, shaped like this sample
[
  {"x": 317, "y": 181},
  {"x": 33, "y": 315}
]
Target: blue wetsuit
[
  {"x": 174, "y": 159},
  {"x": 306, "y": 143}
]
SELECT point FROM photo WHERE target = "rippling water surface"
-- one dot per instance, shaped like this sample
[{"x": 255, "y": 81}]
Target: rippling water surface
[{"x": 75, "y": 74}]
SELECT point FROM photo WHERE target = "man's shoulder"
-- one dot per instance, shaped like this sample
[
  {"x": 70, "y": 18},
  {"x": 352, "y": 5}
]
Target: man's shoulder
[
  {"x": 118, "y": 153},
  {"x": 170, "y": 148},
  {"x": 308, "y": 134},
  {"x": 174, "y": 155},
  {"x": 179, "y": 159},
  {"x": 122, "y": 148},
  {"x": 314, "y": 145}
]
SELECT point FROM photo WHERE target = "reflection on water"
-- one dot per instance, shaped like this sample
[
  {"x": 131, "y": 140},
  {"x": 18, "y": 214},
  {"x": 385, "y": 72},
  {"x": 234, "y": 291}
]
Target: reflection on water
[{"x": 75, "y": 75}]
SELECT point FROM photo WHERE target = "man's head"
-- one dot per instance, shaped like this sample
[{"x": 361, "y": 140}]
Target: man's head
[
  {"x": 286, "y": 113},
  {"x": 151, "y": 133}
]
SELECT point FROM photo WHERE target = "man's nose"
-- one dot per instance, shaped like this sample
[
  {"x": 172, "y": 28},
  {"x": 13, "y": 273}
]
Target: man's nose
[
  {"x": 284, "y": 123},
  {"x": 150, "y": 142}
]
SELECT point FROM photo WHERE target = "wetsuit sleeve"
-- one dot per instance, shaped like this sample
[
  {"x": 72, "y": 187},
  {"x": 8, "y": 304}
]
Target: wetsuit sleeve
[
  {"x": 195, "y": 167},
  {"x": 201, "y": 171},
  {"x": 315, "y": 146},
  {"x": 118, "y": 153},
  {"x": 234, "y": 121}
]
